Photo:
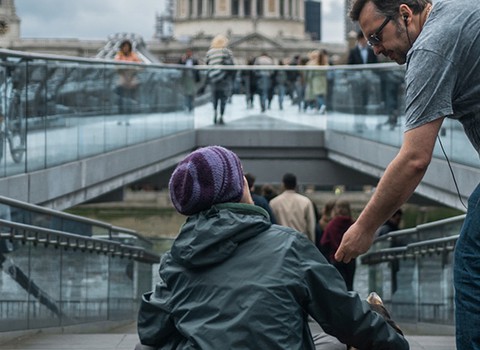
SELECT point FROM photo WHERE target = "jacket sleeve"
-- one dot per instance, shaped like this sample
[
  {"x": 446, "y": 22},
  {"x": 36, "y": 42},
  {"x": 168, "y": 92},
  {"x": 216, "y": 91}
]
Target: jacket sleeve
[
  {"x": 155, "y": 324},
  {"x": 343, "y": 314}
]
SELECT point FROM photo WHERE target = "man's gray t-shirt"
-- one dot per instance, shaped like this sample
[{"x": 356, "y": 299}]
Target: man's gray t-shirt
[{"x": 443, "y": 68}]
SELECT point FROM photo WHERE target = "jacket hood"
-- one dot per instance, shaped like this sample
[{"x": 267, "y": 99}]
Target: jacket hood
[{"x": 213, "y": 235}]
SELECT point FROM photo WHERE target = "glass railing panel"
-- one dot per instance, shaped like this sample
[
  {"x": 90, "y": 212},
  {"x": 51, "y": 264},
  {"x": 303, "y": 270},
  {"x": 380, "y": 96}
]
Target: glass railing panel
[
  {"x": 435, "y": 297},
  {"x": 14, "y": 94},
  {"x": 61, "y": 110},
  {"x": 96, "y": 287},
  {"x": 121, "y": 294},
  {"x": 44, "y": 287},
  {"x": 90, "y": 109},
  {"x": 404, "y": 301},
  {"x": 73, "y": 290},
  {"x": 146, "y": 109},
  {"x": 15, "y": 299},
  {"x": 368, "y": 102},
  {"x": 48, "y": 278}
]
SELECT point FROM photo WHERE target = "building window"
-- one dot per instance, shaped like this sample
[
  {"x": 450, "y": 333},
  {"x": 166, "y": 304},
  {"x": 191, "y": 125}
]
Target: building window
[
  {"x": 259, "y": 8},
  {"x": 247, "y": 8},
  {"x": 290, "y": 8},
  {"x": 282, "y": 10},
  {"x": 235, "y": 10},
  {"x": 199, "y": 8}
]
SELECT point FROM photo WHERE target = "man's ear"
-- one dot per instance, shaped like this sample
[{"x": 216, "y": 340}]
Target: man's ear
[{"x": 405, "y": 12}]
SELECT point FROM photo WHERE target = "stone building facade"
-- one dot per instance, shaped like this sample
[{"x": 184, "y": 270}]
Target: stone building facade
[{"x": 253, "y": 27}]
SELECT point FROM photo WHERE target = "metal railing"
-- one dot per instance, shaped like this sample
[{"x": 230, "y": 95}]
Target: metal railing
[
  {"x": 52, "y": 277},
  {"x": 413, "y": 271},
  {"x": 44, "y": 96}
]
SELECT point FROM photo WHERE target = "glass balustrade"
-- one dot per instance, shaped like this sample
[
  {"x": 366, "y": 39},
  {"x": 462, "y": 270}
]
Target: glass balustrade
[
  {"x": 55, "y": 110},
  {"x": 412, "y": 270},
  {"x": 58, "y": 269}
]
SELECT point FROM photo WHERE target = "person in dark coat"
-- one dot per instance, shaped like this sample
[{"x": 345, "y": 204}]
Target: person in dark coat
[
  {"x": 361, "y": 54},
  {"x": 232, "y": 280},
  {"x": 332, "y": 236},
  {"x": 259, "y": 200}
]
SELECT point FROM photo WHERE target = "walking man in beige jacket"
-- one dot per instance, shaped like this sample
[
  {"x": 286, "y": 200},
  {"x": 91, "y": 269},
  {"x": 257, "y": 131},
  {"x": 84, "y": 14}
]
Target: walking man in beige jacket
[{"x": 293, "y": 209}]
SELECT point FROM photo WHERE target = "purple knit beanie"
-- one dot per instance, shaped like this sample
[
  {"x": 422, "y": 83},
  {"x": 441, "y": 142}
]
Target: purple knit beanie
[{"x": 207, "y": 176}]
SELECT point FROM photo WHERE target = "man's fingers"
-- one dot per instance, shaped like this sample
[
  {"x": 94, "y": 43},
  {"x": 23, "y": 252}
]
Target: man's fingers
[{"x": 340, "y": 255}]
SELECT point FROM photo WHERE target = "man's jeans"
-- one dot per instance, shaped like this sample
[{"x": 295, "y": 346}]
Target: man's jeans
[{"x": 467, "y": 278}]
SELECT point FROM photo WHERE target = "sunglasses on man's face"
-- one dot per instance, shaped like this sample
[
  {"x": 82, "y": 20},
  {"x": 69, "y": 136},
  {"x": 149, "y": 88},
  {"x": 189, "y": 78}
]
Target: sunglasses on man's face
[{"x": 374, "y": 39}]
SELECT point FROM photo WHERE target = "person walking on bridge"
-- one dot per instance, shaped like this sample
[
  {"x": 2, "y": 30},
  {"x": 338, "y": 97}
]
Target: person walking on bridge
[
  {"x": 440, "y": 44},
  {"x": 232, "y": 280}
]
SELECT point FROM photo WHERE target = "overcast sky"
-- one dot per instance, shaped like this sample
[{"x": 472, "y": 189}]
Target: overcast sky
[{"x": 96, "y": 19}]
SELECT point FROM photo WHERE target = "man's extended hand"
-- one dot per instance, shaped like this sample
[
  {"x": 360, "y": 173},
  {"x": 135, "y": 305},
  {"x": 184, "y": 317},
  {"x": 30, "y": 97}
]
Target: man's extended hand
[{"x": 354, "y": 242}]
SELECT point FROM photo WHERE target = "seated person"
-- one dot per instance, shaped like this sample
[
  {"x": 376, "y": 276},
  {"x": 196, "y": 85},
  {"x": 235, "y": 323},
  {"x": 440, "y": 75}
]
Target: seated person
[{"x": 232, "y": 280}]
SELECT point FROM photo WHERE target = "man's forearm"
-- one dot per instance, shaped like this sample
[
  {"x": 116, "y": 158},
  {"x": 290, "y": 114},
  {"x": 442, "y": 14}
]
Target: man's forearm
[{"x": 395, "y": 187}]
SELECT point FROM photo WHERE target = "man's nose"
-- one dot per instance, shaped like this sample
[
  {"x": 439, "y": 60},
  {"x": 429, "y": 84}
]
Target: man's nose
[{"x": 378, "y": 49}]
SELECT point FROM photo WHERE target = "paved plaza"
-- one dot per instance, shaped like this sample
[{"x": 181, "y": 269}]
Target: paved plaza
[{"x": 125, "y": 338}]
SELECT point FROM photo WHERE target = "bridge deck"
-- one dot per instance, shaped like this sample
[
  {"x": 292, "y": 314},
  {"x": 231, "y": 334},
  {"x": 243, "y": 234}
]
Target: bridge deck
[{"x": 125, "y": 338}]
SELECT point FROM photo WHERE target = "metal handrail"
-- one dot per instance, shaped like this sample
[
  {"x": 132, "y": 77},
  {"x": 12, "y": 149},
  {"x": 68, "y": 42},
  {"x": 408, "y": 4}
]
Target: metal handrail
[
  {"x": 52, "y": 212},
  {"x": 412, "y": 250},
  {"x": 39, "y": 235},
  {"x": 38, "y": 56}
]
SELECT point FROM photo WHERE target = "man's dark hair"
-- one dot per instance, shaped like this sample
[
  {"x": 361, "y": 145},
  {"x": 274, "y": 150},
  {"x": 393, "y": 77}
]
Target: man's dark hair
[
  {"x": 250, "y": 179},
  {"x": 289, "y": 181},
  {"x": 387, "y": 8}
]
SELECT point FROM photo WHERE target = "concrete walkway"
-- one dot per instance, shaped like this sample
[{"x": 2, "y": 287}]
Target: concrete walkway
[{"x": 125, "y": 338}]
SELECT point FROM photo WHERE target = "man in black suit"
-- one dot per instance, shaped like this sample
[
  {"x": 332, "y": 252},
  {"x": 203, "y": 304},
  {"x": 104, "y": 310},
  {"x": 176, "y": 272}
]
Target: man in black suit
[{"x": 361, "y": 54}]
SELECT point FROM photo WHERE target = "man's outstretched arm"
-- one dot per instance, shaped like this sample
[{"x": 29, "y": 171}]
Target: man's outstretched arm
[{"x": 397, "y": 184}]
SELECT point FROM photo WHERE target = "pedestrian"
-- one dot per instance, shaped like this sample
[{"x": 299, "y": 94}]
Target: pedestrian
[
  {"x": 127, "y": 78},
  {"x": 220, "y": 80},
  {"x": 293, "y": 209},
  {"x": 190, "y": 78},
  {"x": 332, "y": 236}
]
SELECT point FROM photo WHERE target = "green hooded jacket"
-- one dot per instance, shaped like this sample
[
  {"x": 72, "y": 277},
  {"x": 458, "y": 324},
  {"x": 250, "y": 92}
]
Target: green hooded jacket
[{"x": 232, "y": 280}]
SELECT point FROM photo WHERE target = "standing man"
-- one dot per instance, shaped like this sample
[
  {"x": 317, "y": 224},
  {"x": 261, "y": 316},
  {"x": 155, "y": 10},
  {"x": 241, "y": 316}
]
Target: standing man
[
  {"x": 294, "y": 210},
  {"x": 362, "y": 53},
  {"x": 440, "y": 45},
  {"x": 264, "y": 79}
]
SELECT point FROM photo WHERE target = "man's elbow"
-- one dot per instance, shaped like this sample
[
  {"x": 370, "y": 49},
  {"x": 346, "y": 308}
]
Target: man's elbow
[{"x": 419, "y": 165}]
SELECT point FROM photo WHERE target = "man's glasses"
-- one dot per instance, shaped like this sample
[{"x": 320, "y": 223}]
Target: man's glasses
[{"x": 374, "y": 39}]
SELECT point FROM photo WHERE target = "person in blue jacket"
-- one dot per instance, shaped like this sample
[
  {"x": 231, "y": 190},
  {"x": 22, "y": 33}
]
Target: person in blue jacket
[{"x": 232, "y": 280}]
